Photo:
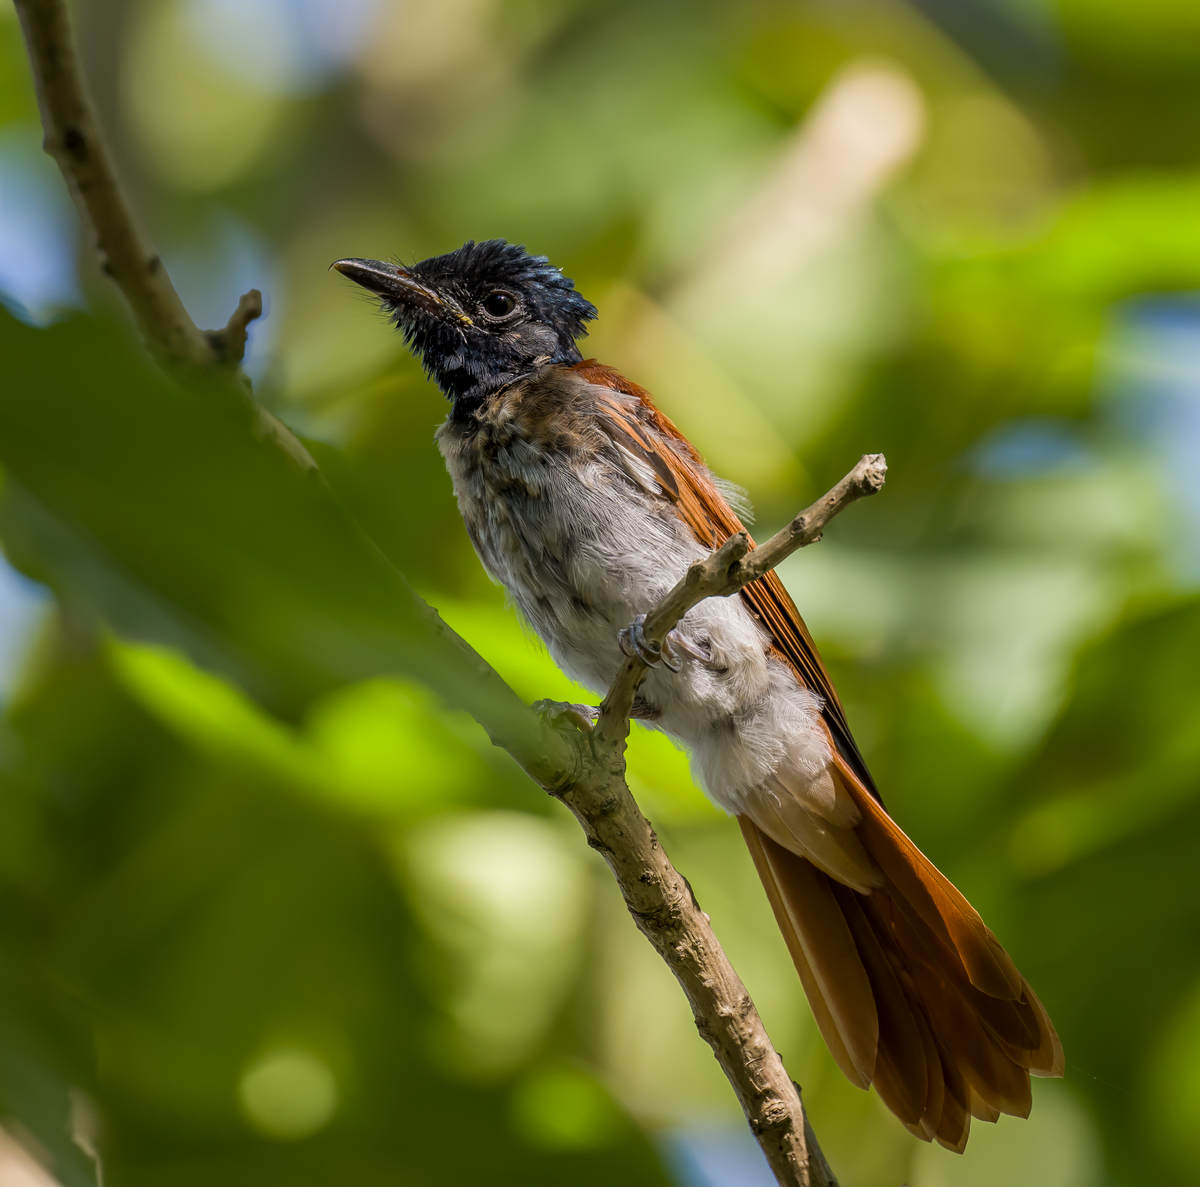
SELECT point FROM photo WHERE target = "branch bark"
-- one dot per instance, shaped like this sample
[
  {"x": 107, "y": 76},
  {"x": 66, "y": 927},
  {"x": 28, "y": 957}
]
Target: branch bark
[
  {"x": 659, "y": 897},
  {"x": 585, "y": 771},
  {"x": 229, "y": 344},
  {"x": 734, "y": 565},
  {"x": 75, "y": 139}
]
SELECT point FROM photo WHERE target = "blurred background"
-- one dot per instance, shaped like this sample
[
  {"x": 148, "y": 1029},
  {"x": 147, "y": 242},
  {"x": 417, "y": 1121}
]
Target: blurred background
[{"x": 270, "y": 912}]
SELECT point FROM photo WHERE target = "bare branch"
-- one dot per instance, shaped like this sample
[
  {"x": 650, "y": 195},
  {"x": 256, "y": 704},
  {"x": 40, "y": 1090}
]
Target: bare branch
[
  {"x": 659, "y": 898},
  {"x": 75, "y": 139},
  {"x": 229, "y": 344},
  {"x": 734, "y": 565},
  {"x": 866, "y": 478},
  {"x": 666, "y": 912}
]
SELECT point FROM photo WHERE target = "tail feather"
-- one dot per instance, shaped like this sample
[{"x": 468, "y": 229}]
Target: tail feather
[
  {"x": 994, "y": 1039},
  {"x": 823, "y": 951},
  {"x": 910, "y": 990},
  {"x": 989, "y": 1071},
  {"x": 935, "y": 1096},
  {"x": 953, "y": 1127},
  {"x": 902, "y": 1070},
  {"x": 932, "y": 895}
]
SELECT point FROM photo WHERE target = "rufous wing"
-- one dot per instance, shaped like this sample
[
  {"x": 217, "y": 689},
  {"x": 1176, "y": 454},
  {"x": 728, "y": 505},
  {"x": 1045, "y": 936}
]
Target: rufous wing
[{"x": 685, "y": 480}]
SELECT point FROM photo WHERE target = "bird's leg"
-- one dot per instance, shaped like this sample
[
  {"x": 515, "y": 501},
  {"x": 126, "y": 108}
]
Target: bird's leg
[{"x": 632, "y": 640}]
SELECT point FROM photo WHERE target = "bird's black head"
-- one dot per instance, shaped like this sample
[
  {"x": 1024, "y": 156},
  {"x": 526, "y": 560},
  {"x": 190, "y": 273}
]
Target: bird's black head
[{"x": 479, "y": 317}]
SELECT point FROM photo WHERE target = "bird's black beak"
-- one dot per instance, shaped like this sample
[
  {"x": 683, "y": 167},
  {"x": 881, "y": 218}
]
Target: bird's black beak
[{"x": 401, "y": 287}]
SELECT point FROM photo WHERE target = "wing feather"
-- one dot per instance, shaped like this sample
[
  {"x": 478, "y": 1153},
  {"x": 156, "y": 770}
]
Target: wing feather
[{"x": 684, "y": 479}]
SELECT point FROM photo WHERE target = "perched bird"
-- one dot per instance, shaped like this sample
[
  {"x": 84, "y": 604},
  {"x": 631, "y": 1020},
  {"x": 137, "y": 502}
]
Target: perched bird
[{"x": 587, "y": 504}]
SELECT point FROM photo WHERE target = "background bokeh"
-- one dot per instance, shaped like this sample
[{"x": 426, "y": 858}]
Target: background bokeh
[{"x": 270, "y": 913}]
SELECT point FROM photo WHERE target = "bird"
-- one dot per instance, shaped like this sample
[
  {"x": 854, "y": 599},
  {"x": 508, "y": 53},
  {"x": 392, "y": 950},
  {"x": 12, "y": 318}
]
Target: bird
[{"x": 587, "y": 504}]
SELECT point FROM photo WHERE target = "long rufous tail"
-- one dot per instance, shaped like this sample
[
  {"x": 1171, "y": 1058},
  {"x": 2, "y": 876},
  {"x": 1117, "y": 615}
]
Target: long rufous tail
[{"x": 910, "y": 989}]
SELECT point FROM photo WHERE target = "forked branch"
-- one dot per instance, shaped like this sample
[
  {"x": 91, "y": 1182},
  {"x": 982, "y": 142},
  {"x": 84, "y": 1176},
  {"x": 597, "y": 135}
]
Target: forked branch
[
  {"x": 660, "y": 899},
  {"x": 76, "y": 141}
]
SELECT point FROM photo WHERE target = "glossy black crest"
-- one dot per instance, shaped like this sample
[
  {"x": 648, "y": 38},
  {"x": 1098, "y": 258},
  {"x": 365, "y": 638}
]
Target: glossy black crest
[{"x": 482, "y": 316}]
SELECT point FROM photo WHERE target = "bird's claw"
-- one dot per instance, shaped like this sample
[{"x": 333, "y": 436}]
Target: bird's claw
[
  {"x": 566, "y": 713},
  {"x": 677, "y": 642},
  {"x": 633, "y": 642}
]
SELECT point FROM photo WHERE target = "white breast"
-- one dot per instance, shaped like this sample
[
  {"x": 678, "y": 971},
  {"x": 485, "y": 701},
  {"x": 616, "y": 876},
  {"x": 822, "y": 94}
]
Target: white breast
[{"x": 583, "y": 550}]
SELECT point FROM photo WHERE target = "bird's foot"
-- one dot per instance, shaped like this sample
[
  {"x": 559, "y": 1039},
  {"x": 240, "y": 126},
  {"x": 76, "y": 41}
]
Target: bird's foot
[
  {"x": 566, "y": 714},
  {"x": 633, "y": 642}
]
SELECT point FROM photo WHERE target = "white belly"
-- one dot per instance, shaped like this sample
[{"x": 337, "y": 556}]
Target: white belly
[{"x": 582, "y": 553}]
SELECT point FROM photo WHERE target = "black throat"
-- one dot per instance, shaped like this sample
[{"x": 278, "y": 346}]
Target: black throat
[{"x": 468, "y": 390}]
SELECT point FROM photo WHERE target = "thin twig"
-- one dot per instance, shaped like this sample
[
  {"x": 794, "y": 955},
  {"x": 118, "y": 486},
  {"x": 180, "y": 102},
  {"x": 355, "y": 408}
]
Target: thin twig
[
  {"x": 229, "y": 343},
  {"x": 734, "y": 565},
  {"x": 75, "y": 140}
]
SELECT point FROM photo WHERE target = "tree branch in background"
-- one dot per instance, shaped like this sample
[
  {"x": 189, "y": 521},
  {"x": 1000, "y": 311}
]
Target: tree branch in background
[
  {"x": 75, "y": 140},
  {"x": 585, "y": 771},
  {"x": 229, "y": 344}
]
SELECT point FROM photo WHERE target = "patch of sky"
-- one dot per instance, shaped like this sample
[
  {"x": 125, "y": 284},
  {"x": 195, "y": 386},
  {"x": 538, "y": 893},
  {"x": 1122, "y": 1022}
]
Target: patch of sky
[
  {"x": 221, "y": 258},
  {"x": 1150, "y": 391},
  {"x": 715, "y": 1156},
  {"x": 1029, "y": 447},
  {"x": 37, "y": 231}
]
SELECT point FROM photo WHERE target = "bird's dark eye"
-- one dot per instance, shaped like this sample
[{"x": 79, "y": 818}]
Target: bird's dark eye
[{"x": 499, "y": 304}]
